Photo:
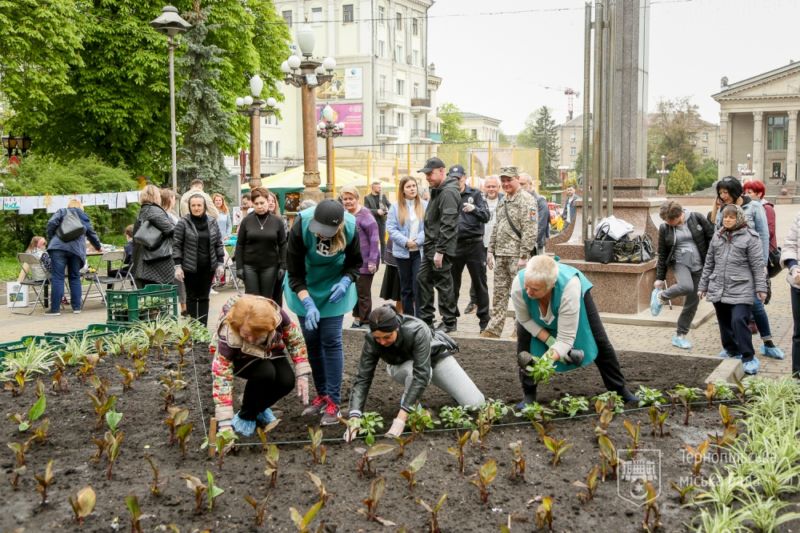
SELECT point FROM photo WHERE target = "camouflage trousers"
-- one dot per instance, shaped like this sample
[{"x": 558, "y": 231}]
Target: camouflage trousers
[{"x": 505, "y": 268}]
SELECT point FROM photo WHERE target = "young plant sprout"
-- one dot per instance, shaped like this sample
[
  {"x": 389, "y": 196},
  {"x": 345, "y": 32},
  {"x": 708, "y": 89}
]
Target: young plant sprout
[
  {"x": 368, "y": 425},
  {"x": 318, "y": 451},
  {"x": 198, "y": 488},
  {"x": 538, "y": 415},
  {"x": 723, "y": 391},
  {"x": 419, "y": 420},
  {"x": 686, "y": 395},
  {"x": 113, "y": 447},
  {"x": 259, "y": 507},
  {"x": 570, "y": 405},
  {"x": 611, "y": 400},
  {"x": 413, "y": 467},
  {"x": 728, "y": 420},
  {"x": 683, "y": 491},
  {"x": 604, "y": 420},
  {"x": 170, "y": 384},
  {"x": 44, "y": 481},
  {"x": 458, "y": 450},
  {"x": 34, "y": 413},
  {"x": 101, "y": 407},
  {"x": 182, "y": 434},
  {"x": 175, "y": 417},
  {"x": 132, "y": 503},
  {"x": 541, "y": 370},
  {"x": 324, "y": 495},
  {"x": 402, "y": 442},
  {"x": 19, "y": 449},
  {"x": 113, "y": 419},
  {"x": 456, "y": 417},
  {"x": 263, "y": 433},
  {"x": 433, "y": 521},
  {"x": 698, "y": 455},
  {"x": 485, "y": 476},
  {"x": 376, "y": 489},
  {"x": 544, "y": 513},
  {"x": 224, "y": 443},
  {"x": 710, "y": 393},
  {"x": 271, "y": 471},
  {"x": 590, "y": 486},
  {"x": 608, "y": 456},
  {"x": 556, "y": 447},
  {"x": 301, "y": 522},
  {"x": 490, "y": 412},
  {"x": 657, "y": 420},
  {"x": 212, "y": 492},
  {"x": 518, "y": 460},
  {"x": 725, "y": 440},
  {"x": 648, "y": 396},
  {"x": 128, "y": 377},
  {"x": 635, "y": 432},
  {"x": 40, "y": 432},
  {"x": 651, "y": 507},
  {"x": 155, "y": 484},
  {"x": 364, "y": 463},
  {"x": 83, "y": 503}
]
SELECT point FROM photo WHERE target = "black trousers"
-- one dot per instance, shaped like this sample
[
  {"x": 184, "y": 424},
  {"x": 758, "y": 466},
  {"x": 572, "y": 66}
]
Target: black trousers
[
  {"x": 198, "y": 287},
  {"x": 473, "y": 255},
  {"x": 277, "y": 292},
  {"x": 408, "y": 271},
  {"x": 260, "y": 281},
  {"x": 363, "y": 306},
  {"x": 268, "y": 380},
  {"x": 441, "y": 279},
  {"x": 606, "y": 361},
  {"x": 734, "y": 332}
]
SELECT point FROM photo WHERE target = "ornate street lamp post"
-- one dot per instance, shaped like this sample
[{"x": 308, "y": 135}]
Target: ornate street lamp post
[
  {"x": 307, "y": 74},
  {"x": 171, "y": 24},
  {"x": 252, "y": 106},
  {"x": 328, "y": 129},
  {"x": 662, "y": 186}
]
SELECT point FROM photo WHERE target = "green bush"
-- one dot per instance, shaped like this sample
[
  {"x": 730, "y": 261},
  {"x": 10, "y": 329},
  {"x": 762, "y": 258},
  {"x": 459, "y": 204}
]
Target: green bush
[
  {"x": 680, "y": 180},
  {"x": 706, "y": 175}
]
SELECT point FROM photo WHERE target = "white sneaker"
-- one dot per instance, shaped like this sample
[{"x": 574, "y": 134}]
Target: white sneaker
[{"x": 213, "y": 292}]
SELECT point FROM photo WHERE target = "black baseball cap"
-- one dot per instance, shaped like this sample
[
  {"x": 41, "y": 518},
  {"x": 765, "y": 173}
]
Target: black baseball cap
[
  {"x": 328, "y": 215},
  {"x": 456, "y": 171},
  {"x": 432, "y": 164}
]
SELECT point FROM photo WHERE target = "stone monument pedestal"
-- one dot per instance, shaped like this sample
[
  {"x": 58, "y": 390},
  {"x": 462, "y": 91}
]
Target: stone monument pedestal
[{"x": 618, "y": 287}]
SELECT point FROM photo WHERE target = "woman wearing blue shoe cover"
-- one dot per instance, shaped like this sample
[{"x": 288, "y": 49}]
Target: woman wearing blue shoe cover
[
  {"x": 733, "y": 272},
  {"x": 557, "y": 318},
  {"x": 256, "y": 340},
  {"x": 322, "y": 263},
  {"x": 682, "y": 245}
]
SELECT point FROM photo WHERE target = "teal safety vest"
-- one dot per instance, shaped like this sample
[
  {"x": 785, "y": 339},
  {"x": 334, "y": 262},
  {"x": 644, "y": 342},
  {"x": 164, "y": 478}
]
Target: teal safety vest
[
  {"x": 584, "y": 340},
  {"x": 322, "y": 272}
]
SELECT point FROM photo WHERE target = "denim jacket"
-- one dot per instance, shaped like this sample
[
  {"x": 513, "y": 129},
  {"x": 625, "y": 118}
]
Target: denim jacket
[{"x": 399, "y": 235}]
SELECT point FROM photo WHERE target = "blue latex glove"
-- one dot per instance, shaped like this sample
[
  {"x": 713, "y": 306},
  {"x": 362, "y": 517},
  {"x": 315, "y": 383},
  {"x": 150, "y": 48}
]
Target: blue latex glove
[
  {"x": 245, "y": 428},
  {"x": 266, "y": 417},
  {"x": 338, "y": 291},
  {"x": 312, "y": 313}
]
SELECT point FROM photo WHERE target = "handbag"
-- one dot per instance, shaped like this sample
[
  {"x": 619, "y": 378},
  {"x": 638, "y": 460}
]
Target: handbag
[
  {"x": 162, "y": 251},
  {"x": 636, "y": 250},
  {"x": 598, "y": 251},
  {"x": 774, "y": 266},
  {"x": 71, "y": 226},
  {"x": 148, "y": 236}
]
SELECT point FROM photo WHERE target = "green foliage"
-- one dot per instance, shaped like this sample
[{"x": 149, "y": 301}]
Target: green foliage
[
  {"x": 451, "y": 124},
  {"x": 680, "y": 180},
  {"x": 456, "y": 417},
  {"x": 672, "y": 132},
  {"x": 540, "y": 132},
  {"x": 570, "y": 405},
  {"x": 706, "y": 175}
]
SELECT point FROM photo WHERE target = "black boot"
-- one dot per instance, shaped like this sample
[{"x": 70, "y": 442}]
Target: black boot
[
  {"x": 528, "y": 396},
  {"x": 628, "y": 396}
]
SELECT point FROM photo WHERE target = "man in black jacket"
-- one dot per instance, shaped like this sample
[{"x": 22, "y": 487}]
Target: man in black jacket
[
  {"x": 441, "y": 225},
  {"x": 379, "y": 206},
  {"x": 474, "y": 214}
]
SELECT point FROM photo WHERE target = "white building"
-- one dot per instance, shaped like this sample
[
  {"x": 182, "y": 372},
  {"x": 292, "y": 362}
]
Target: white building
[{"x": 481, "y": 127}]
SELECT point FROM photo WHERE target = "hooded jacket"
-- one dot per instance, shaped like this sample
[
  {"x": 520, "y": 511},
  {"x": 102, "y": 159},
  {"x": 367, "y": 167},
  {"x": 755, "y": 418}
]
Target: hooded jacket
[
  {"x": 702, "y": 232},
  {"x": 441, "y": 219}
]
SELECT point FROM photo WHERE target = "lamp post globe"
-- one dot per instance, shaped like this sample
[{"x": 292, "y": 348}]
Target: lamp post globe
[
  {"x": 305, "y": 39},
  {"x": 256, "y": 86}
]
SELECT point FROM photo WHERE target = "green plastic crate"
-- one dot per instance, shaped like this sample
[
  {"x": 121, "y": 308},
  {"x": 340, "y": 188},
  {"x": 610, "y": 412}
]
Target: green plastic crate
[{"x": 141, "y": 304}]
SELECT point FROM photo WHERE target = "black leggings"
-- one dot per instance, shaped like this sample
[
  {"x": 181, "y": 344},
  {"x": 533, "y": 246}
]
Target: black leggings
[
  {"x": 606, "y": 361},
  {"x": 268, "y": 380},
  {"x": 260, "y": 281}
]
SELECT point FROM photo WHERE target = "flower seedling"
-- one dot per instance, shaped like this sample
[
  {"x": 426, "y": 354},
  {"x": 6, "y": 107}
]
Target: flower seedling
[
  {"x": 608, "y": 456},
  {"x": 544, "y": 513},
  {"x": 611, "y": 400},
  {"x": 170, "y": 384},
  {"x": 635, "y": 432},
  {"x": 83, "y": 503},
  {"x": 182, "y": 434},
  {"x": 155, "y": 484},
  {"x": 710, "y": 393},
  {"x": 648, "y": 396},
  {"x": 198, "y": 488},
  {"x": 301, "y": 522},
  {"x": 517, "y": 460},
  {"x": 698, "y": 455},
  {"x": 376, "y": 489},
  {"x": 364, "y": 463},
  {"x": 657, "y": 420},
  {"x": 175, "y": 417},
  {"x": 128, "y": 377},
  {"x": 368, "y": 425},
  {"x": 538, "y": 415},
  {"x": 271, "y": 471},
  {"x": 87, "y": 369},
  {"x": 19, "y": 449},
  {"x": 485, "y": 476},
  {"x": 113, "y": 447},
  {"x": 224, "y": 443},
  {"x": 419, "y": 420},
  {"x": 259, "y": 507},
  {"x": 723, "y": 391},
  {"x": 490, "y": 412},
  {"x": 413, "y": 467},
  {"x": 570, "y": 405},
  {"x": 34, "y": 413},
  {"x": 456, "y": 417},
  {"x": 132, "y": 503},
  {"x": 683, "y": 491},
  {"x": 556, "y": 447},
  {"x": 651, "y": 509},
  {"x": 324, "y": 495},
  {"x": 604, "y": 420},
  {"x": 44, "y": 481},
  {"x": 725, "y": 440},
  {"x": 263, "y": 433},
  {"x": 728, "y": 420},
  {"x": 402, "y": 442},
  {"x": 433, "y": 521},
  {"x": 213, "y": 492},
  {"x": 590, "y": 486},
  {"x": 102, "y": 406},
  {"x": 541, "y": 370},
  {"x": 686, "y": 395},
  {"x": 318, "y": 451},
  {"x": 40, "y": 432},
  {"x": 458, "y": 450}
]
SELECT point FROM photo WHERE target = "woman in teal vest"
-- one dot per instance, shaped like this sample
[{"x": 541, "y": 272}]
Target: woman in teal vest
[
  {"x": 323, "y": 260},
  {"x": 557, "y": 318}
]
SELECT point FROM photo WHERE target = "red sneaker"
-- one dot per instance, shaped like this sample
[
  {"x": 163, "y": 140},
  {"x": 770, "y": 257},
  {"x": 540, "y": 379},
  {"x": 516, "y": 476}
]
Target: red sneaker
[
  {"x": 331, "y": 414},
  {"x": 316, "y": 407}
]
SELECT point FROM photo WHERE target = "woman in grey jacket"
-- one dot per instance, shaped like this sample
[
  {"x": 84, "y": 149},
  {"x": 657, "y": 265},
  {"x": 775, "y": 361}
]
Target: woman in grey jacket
[
  {"x": 147, "y": 271},
  {"x": 733, "y": 270},
  {"x": 198, "y": 255}
]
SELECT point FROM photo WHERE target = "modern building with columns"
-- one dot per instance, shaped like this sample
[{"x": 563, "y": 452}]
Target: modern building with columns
[{"x": 758, "y": 124}]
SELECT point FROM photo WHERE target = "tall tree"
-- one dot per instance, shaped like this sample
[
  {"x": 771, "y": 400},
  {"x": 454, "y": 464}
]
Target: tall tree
[
  {"x": 671, "y": 132},
  {"x": 452, "y": 123},
  {"x": 540, "y": 132},
  {"x": 680, "y": 180},
  {"x": 204, "y": 123}
]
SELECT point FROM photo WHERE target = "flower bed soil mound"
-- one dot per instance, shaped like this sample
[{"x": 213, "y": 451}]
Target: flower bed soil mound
[{"x": 491, "y": 364}]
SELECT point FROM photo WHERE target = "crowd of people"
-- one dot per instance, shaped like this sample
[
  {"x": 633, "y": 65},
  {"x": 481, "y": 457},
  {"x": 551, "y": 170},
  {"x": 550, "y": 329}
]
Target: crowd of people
[{"x": 321, "y": 268}]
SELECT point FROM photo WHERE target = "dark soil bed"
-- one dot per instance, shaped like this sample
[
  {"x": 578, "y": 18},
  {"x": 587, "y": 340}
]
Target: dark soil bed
[{"x": 490, "y": 364}]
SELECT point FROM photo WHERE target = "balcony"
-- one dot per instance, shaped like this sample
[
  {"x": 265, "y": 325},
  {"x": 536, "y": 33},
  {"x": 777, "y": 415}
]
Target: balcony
[
  {"x": 420, "y": 105},
  {"x": 385, "y": 132},
  {"x": 420, "y": 136},
  {"x": 384, "y": 99}
]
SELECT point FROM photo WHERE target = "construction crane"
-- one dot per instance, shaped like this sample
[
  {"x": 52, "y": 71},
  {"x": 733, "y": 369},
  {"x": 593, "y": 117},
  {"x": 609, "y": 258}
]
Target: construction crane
[{"x": 570, "y": 93}]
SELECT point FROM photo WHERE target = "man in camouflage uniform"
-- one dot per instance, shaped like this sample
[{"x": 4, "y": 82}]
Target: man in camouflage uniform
[{"x": 510, "y": 246}]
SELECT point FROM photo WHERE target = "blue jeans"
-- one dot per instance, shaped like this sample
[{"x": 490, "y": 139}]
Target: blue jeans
[
  {"x": 408, "y": 269},
  {"x": 326, "y": 356},
  {"x": 761, "y": 319},
  {"x": 63, "y": 260}
]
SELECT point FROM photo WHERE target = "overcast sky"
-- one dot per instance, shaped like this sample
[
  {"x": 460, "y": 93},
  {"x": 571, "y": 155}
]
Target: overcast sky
[{"x": 497, "y": 57}]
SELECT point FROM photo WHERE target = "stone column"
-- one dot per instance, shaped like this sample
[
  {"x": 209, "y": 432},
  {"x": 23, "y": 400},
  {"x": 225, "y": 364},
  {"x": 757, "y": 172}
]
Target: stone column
[
  {"x": 791, "y": 150},
  {"x": 758, "y": 145},
  {"x": 723, "y": 151}
]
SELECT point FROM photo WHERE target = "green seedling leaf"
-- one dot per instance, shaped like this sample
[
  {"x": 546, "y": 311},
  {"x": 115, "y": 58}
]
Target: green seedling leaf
[
  {"x": 112, "y": 419},
  {"x": 132, "y": 503},
  {"x": 433, "y": 523},
  {"x": 37, "y": 410},
  {"x": 302, "y": 522},
  {"x": 413, "y": 467},
  {"x": 683, "y": 491},
  {"x": 544, "y": 513},
  {"x": 486, "y": 474},
  {"x": 556, "y": 447},
  {"x": 378, "y": 450},
  {"x": 542, "y": 370},
  {"x": 213, "y": 492},
  {"x": 324, "y": 495}
]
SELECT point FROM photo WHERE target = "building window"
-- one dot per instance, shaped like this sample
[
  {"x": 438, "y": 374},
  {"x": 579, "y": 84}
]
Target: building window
[
  {"x": 316, "y": 14},
  {"x": 401, "y": 120},
  {"x": 381, "y": 49},
  {"x": 398, "y": 18},
  {"x": 572, "y": 138},
  {"x": 777, "y": 138},
  {"x": 705, "y": 136},
  {"x": 415, "y": 26},
  {"x": 401, "y": 87},
  {"x": 381, "y": 14},
  {"x": 415, "y": 93},
  {"x": 573, "y": 150},
  {"x": 399, "y": 54},
  {"x": 277, "y": 149},
  {"x": 474, "y": 134},
  {"x": 415, "y": 57},
  {"x": 382, "y": 119},
  {"x": 287, "y": 16},
  {"x": 705, "y": 150},
  {"x": 268, "y": 148},
  {"x": 347, "y": 13}
]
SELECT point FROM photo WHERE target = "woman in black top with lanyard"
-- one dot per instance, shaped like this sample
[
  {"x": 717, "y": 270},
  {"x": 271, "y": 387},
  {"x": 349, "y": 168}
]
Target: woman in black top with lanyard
[{"x": 260, "y": 246}]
